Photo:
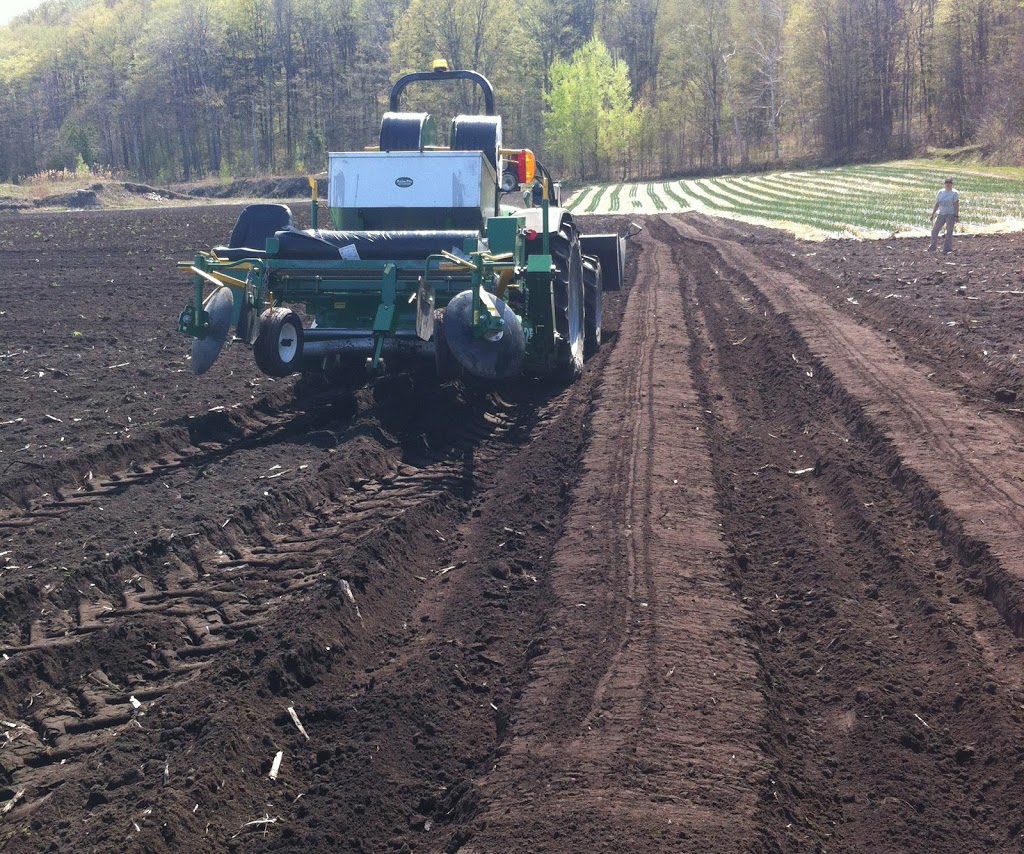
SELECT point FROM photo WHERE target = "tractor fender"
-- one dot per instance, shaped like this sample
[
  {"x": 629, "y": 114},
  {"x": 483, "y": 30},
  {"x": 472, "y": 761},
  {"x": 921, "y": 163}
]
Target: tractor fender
[{"x": 558, "y": 219}]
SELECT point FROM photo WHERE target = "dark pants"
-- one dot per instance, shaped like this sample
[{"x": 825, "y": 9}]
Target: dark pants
[{"x": 948, "y": 220}]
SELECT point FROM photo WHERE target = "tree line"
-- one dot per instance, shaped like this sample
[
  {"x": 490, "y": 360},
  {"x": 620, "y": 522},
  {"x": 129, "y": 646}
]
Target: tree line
[{"x": 181, "y": 90}]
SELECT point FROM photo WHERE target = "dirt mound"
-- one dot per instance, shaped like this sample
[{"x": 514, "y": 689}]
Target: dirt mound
[
  {"x": 128, "y": 194},
  {"x": 254, "y": 188},
  {"x": 83, "y": 197},
  {"x": 153, "y": 192}
]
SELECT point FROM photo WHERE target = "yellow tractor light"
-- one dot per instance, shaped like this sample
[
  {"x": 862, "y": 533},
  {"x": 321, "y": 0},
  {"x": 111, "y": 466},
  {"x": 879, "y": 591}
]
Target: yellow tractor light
[
  {"x": 526, "y": 163},
  {"x": 527, "y": 166}
]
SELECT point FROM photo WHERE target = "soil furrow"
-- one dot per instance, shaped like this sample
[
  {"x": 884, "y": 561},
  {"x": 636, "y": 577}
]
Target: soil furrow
[
  {"x": 873, "y": 674},
  {"x": 969, "y": 458},
  {"x": 347, "y": 523},
  {"x": 644, "y": 681}
]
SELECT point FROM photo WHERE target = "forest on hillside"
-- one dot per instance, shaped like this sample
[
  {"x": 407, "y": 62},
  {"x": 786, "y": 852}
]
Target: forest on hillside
[{"x": 169, "y": 90}]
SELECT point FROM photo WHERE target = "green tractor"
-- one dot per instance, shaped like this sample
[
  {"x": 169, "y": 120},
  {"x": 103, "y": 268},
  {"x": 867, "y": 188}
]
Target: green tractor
[{"x": 421, "y": 260}]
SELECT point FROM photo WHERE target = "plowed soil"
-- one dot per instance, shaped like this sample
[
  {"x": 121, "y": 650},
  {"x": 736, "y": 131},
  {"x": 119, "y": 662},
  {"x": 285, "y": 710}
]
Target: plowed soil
[{"x": 755, "y": 583}]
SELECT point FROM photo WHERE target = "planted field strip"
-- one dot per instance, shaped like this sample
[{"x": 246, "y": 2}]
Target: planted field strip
[
  {"x": 595, "y": 201},
  {"x": 677, "y": 202},
  {"x": 655, "y": 198},
  {"x": 875, "y": 200}
]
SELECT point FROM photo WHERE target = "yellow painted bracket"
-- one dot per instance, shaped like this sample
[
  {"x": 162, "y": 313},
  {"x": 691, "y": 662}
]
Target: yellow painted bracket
[
  {"x": 487, "y": 301},
  {"x": 460, "y": 262},
  {"x": 217, "y": 279},
  {"x": 504, "y": 277}
]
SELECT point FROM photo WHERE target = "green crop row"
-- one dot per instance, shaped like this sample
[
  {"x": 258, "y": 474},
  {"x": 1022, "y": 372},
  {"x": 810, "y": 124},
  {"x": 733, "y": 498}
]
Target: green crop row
[{"x": 866, "y": 200}]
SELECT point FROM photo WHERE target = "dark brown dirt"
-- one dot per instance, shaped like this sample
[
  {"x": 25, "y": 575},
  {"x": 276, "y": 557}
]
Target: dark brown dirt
[{"x": 753, "y": 584}]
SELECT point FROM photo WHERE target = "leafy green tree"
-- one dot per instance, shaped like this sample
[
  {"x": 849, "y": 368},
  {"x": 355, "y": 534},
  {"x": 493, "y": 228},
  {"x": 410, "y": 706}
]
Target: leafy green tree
[
  {"x": 167, "y": 89},
  {"x": 548, "y": 29},
  {"x": 590, "y": 122}
]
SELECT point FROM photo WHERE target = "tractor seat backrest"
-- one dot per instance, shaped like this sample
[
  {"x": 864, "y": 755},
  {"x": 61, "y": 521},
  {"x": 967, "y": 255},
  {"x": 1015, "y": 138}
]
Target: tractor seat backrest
[{"x": 258, "y": 222}]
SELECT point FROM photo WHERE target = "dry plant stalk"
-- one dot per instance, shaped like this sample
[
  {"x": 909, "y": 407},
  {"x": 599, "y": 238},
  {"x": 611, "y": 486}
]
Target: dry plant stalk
[{"x": 297, "y": 722}]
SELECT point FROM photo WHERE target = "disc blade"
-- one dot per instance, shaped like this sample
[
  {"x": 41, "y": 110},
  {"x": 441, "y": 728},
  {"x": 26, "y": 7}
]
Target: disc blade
[
  {"x": 219, "y": 305},
  {"x": 482, "y": 357}
]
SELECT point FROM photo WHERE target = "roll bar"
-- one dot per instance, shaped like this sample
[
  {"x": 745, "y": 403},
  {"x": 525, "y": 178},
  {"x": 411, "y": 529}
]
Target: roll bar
[{"x": 427, "y": 76}]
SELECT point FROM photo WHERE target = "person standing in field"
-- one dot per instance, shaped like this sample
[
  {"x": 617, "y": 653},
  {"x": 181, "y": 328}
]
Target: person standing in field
[{"x": 945, "y": 213}]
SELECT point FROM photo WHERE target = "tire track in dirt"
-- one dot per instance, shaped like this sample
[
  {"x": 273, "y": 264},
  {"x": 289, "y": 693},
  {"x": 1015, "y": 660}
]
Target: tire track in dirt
[
  {"x": 77, "y": 480},
  {"x": 970, "y": 457},
  {"x": 229, "y": 544},
  {"x": 180, "y": 610},
  {"x": 641, "y": 721},
  {"x": 892, "y": 687}
]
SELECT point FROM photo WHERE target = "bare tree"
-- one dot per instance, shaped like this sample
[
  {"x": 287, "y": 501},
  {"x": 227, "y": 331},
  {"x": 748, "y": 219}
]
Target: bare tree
[
  {"x": 766, "y": 44},
  {"x": 708, "y": 31}
]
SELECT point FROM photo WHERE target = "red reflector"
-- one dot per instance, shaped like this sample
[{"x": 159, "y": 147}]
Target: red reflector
[{"x": 531, "y": 234}]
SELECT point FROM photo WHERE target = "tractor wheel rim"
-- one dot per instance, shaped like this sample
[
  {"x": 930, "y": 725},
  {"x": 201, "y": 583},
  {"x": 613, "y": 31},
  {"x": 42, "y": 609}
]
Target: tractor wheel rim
[{"x": 287, "y": 344}]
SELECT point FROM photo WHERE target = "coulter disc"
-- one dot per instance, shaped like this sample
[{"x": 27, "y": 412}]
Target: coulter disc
[
  {"x": 219, "y": 305},
  {"x": 492, "y": 358}
]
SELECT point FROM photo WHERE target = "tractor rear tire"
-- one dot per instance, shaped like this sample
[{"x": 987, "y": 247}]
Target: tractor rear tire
[
  {"x": 592, "y": 290},
  {"x": 278, "y": 346},
  {"x": 569, "y": 305}
]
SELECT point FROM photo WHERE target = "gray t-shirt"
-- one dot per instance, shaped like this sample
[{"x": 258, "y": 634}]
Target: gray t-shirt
[{"x": 946, "y": 200}]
